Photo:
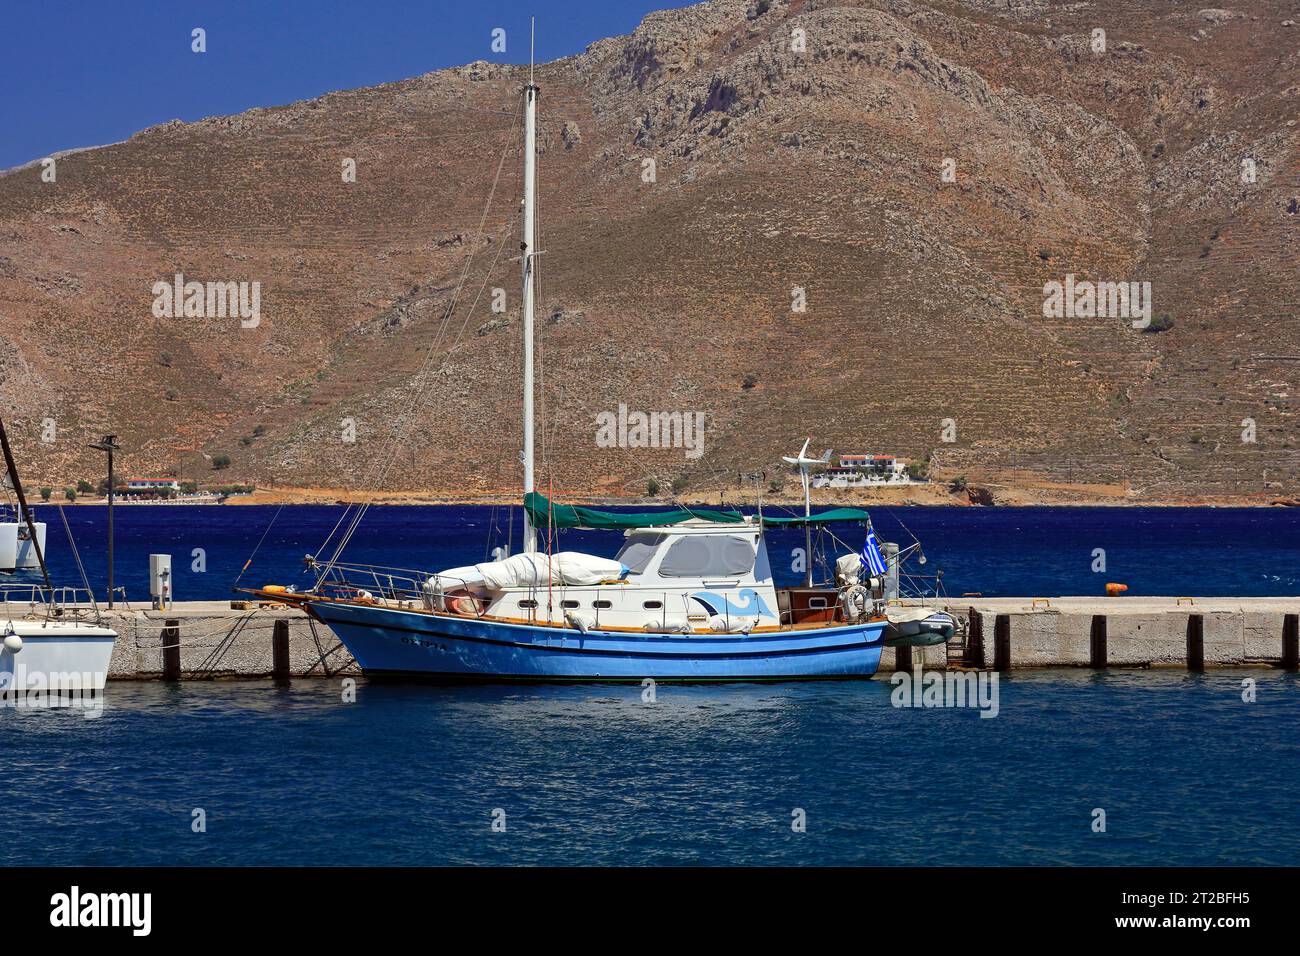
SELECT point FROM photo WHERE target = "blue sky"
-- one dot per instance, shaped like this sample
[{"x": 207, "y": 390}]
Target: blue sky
[{"x": 88, "y": 72}]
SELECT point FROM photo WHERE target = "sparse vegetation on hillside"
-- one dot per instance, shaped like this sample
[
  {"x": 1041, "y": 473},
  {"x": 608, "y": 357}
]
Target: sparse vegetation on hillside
[{"x": 920, "y": 284}]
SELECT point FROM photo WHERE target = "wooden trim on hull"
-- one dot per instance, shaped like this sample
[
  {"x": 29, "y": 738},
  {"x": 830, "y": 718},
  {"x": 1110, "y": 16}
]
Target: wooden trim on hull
[
  {"x": 304, "y": 601},
  {"x": 610, "y": 652}
]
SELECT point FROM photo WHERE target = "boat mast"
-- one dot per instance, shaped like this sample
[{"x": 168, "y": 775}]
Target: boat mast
[
  {"x": 528, "y": 252},
  {"x": 22, "y": 504}
]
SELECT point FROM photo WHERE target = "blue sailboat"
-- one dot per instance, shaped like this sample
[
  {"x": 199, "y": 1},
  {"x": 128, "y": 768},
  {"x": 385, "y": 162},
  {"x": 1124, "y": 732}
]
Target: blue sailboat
[{"x": 690, "y": 595}]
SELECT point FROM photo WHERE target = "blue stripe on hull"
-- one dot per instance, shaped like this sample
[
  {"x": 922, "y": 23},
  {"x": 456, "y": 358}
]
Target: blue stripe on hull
[{"x": 392, "y": 642}]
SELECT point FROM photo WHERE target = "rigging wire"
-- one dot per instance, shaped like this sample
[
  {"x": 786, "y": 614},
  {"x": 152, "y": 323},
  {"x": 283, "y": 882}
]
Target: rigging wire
[
  {"x": 399, "y": 433},
  {"x": 255, "y": 547},
  {"x": 384, "y": 461},
  {"x": 81, "y": 568}
]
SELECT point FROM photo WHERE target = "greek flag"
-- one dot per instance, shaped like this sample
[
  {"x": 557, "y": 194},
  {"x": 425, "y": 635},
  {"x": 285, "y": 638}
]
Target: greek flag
[{"x": 872, "y": 560}]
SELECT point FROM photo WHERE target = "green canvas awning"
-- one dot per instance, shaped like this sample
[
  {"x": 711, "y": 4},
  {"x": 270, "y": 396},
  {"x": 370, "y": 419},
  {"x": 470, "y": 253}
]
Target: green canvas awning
[
  {"x": 825, "y": 517},
  {"x": 543, "y": 513}
]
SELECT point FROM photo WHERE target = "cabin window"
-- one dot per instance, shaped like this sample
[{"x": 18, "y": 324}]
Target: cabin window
[
  {"x": 653, "y": 605},
  {"x": 817, "y": 604},
  {"x": 528, "y": 604},
  {"x": 637, "y": 551},
  {"x": 569, "y": 604},
  {"x": 602, "y": 604},
  {"x": 708, "y": 555}
]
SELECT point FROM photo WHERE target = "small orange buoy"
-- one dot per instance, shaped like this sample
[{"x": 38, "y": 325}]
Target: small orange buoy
[{"x": 1112, "y": 589}]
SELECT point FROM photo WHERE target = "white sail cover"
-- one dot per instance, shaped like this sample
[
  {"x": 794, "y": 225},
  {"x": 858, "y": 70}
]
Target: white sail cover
[
  {"x": 534, "y": 569},
  {"x": 578, "y": 569}
]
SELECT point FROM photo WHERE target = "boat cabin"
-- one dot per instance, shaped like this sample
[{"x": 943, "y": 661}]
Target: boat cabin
[
  {"x": 696, "y": 575},
  {"x": 690, "y": 576}
]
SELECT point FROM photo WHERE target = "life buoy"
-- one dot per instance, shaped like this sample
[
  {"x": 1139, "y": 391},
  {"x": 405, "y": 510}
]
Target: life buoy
[
  {"x": 855, "y": 601},
  {"x": 466, "y": 605}
]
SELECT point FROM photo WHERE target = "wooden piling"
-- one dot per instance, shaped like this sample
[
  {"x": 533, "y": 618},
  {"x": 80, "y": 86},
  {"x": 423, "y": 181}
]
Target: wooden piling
[
  {"x": 171, "y": 649},
  {"x": 280, "y": 650},
  {"x": 1002, "y": 642},
  {"x": 1195, "y": 642},
  {"x": 1097, "y": 642},
  {"x": 902, "y": 658},
  {"x": 975, "y": 640},
  {"x": 1291, "y": 641}
]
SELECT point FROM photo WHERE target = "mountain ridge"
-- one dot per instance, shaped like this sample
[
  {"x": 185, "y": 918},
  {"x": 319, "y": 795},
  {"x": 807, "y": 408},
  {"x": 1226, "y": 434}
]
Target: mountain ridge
[{"x": 774, "y": 170}]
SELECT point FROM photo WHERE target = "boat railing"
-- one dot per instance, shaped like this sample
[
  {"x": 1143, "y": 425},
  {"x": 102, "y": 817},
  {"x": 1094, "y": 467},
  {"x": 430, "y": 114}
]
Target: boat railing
[
  {"x": 399, "y": 588},
  {"x": 52, "y": 602}
]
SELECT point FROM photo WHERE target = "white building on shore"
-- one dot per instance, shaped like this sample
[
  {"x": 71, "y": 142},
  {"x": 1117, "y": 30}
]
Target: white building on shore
[
  {"x": 138, "y": 486},
  {"x": 865, "y": 471}
]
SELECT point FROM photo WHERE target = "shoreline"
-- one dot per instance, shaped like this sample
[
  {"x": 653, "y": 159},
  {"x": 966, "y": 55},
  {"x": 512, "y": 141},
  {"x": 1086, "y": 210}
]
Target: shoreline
[{"x": 935, "y": 495}]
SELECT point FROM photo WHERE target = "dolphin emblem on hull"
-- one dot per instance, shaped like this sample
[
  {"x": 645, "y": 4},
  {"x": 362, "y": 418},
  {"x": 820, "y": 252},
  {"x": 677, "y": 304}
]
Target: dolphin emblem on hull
[{"x": 721, "y": 604}]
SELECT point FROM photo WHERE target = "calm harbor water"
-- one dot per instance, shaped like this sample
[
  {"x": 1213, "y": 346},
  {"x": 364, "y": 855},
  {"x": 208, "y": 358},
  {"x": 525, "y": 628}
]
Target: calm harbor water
[
  {"x": 995, "y": 551},
  {"x": 1186, "y": 772}
]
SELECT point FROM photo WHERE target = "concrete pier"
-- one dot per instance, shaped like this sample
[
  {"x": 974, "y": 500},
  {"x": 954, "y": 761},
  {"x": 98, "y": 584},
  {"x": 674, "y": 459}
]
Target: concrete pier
[
  {"x": 199, "y": 640},
  {"x": 203, "y": 640},
  {"x": 1132, "y": 632}
]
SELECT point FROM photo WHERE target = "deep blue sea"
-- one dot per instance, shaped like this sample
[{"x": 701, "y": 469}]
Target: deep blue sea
[
  {"x": 1186, "y": 771},
  {"x": 993, "y": 551}
]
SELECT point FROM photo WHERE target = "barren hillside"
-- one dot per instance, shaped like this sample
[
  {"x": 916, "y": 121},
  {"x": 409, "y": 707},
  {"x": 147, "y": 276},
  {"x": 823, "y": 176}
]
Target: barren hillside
[{"x": 795, "y": 145}]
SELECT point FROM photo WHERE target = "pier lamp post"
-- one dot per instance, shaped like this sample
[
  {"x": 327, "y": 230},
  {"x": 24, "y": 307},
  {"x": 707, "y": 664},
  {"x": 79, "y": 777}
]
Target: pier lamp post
[{"x": 108, "y": 446}]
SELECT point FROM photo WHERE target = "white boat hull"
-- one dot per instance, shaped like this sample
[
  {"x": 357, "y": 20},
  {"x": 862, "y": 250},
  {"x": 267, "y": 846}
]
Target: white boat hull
[
  {"x": 16, "y": 551},
  {"x": 55, "y": 656}
]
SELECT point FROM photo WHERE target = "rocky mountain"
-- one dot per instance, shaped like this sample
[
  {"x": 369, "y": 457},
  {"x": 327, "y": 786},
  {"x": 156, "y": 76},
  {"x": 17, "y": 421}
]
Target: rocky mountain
[{"x": 836, "y": 219}]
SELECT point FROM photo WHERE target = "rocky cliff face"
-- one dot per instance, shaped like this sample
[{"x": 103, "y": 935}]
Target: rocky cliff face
[{"x": 824, "y": 218}]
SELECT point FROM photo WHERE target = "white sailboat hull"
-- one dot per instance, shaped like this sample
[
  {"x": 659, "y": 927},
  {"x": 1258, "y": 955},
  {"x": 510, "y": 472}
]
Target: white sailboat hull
[{"x": 55, "y": 656}]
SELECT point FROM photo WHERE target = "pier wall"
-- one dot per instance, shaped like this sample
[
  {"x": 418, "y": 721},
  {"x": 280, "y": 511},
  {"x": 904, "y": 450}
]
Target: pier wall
[
  {"x": 212, "y": 640},
  {"x": 1125, "y": 632},
  {"x": 199, "y": 640}
]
